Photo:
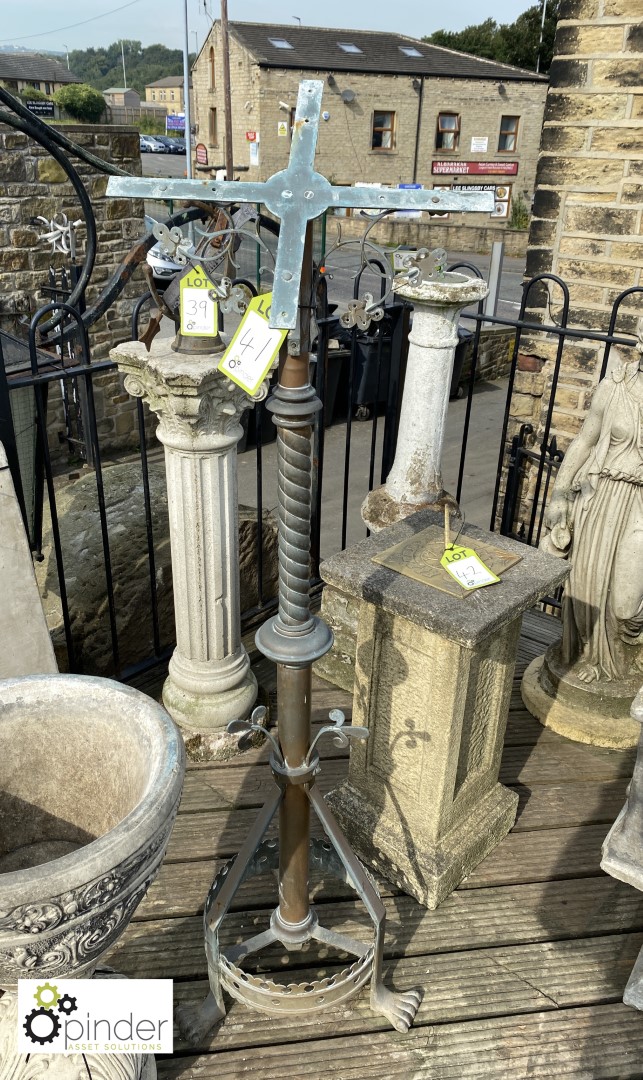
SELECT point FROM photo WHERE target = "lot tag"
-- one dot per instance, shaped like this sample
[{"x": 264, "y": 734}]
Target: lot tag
[
  {"x": 467, "y": 568},
  {"x": 199, "y": 312},
  {"x": 251, "y": 353}
]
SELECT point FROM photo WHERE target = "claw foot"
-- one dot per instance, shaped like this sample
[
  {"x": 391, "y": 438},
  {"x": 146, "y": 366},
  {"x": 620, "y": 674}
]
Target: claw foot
[
  {"x": 399, "y": 1008},
  {"x": 195, "y": 1021}
]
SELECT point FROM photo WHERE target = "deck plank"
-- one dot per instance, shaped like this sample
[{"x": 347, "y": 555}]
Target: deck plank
[{"x": 584, "y": 1043}]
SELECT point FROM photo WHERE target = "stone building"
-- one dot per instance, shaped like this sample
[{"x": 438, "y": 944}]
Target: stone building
[
  {"x": 167, "y": 92},
  {"x": 588, "y": 208},
  {"x": 21, "y": 70},
  {"x": 396, "y": 110},
  {"x": 122, "y": 97}
]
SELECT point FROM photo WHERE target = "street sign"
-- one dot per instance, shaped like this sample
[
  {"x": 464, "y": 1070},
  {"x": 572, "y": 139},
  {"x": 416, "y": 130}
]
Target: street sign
[
  {"x": 43, "y": 109},
  {"x": 409, "y": 215},
  {"x": 475, "y": 168},
  {"x": 251, "y": 136},
  {"x": 175, "y": 122},
  {"x": 201, "y": 154}
]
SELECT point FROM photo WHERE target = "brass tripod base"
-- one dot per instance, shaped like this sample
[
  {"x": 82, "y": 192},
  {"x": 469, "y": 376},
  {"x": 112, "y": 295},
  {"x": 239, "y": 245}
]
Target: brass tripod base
[{"x": 257, "y": 856}]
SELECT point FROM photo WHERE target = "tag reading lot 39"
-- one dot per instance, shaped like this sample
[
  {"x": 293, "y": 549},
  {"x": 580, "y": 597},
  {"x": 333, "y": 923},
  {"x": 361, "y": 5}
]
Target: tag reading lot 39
[
  {"x": 467, "y": 568},
  {"x": 199, "y": 315},
  {"x": 251, "y": 353}
]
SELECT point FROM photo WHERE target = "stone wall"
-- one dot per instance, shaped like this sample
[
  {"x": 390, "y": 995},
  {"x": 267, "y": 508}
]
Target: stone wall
[
  {"x": 436, "y": 233},
  {"x": 344, "y": 151},
  {"x": 32, "y": 184},
  {"x": 588, "y": 208}
]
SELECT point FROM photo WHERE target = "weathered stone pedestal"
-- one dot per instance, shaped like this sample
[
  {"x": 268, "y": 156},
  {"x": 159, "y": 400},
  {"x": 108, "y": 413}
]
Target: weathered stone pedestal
[
  {"x": 623, "y": 849},
  {"x": 433, "y": 677},
  {"x": 209, "y": 681},
  {"x": 415, "y": 479}
]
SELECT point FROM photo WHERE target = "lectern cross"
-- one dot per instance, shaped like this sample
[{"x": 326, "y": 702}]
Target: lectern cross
[{"x": 296, "y": 195}]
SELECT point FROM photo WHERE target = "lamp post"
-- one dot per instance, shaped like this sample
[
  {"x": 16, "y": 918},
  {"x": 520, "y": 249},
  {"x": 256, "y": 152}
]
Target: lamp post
[{"x": 295, "y": 638}]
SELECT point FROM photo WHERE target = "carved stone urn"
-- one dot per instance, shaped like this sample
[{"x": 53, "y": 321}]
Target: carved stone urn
[{"x": 90, "y": 779}]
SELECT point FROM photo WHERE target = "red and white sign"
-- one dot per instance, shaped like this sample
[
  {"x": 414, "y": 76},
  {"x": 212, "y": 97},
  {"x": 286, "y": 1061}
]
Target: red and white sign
[
  {"x": 251, "y": 136},
  {"x": 201, "y": 154},
  {"x": 474, "y": 168}
]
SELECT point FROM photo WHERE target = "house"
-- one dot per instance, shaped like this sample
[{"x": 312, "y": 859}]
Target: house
[
  {"x": 120, "y": 97},
  {"x": 168, "y": 92},
  {"x": 20, "y": 70},
  {"x": 396, "y": 109}
]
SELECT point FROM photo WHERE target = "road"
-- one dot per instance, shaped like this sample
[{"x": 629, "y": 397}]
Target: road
[{"x": 344, "y": 264}]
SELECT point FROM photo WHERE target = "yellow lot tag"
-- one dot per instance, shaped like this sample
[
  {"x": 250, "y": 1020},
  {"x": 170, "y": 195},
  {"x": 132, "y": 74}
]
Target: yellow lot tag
[
  {"x": 251, "y": 353},
  {"x": 467, "y": 568},
  {"x": 199, "y": 312}
]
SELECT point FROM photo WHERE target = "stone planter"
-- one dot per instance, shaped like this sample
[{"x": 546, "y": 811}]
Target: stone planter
[
  {"x": 90, "y": 780},
  {"x": 85, "y": 817}
]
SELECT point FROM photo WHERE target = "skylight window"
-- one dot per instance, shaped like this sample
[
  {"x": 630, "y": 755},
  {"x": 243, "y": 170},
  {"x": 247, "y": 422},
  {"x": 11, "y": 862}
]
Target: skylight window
[
  {"x": 280, "y": 43},
  {"x": 409, "y": 50},
  {"x": 348, "y": 47}
]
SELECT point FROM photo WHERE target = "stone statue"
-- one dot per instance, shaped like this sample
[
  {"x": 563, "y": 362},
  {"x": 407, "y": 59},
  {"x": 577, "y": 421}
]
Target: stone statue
[{"x": 596, "y": 518}]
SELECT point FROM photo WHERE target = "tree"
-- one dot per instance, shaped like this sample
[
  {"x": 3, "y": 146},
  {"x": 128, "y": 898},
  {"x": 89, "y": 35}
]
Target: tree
[
  {"x": 509, "y": 43},
  {"x": 81, "y": 101},
  {"x": 103, "y": 67}
]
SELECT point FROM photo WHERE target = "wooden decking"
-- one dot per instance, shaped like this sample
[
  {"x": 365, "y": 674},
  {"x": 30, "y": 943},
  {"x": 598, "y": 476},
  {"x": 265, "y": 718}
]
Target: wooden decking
[{"x": 523, "y": 968}]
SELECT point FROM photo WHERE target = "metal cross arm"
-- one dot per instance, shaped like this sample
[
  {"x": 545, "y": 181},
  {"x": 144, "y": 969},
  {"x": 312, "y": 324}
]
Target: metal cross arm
[{"x": 296, "y": 195}]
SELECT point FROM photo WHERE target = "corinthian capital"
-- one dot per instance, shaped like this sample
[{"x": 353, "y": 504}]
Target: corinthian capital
[{"x": 197, "y": 406}]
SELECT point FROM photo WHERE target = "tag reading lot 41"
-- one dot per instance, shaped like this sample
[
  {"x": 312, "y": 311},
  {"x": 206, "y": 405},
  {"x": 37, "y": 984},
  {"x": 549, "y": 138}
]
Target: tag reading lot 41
[
  {"x": 251, "y": 353},
  {"x": 467, "y": 568},
  {"x": 198, "y": 309}
]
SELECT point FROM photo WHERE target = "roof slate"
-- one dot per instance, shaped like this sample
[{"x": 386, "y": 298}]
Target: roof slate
[
  {"x": 168, "y": 80},
  {"x": 317, "y": 48},
  {"x": 34, "y": 68}
]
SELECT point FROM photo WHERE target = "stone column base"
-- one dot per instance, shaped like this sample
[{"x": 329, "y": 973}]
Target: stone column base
[
  {"x": 207, "y": 715},
  {"x": 577, "y": 711},
  {"x": 380, "y": 509},
  {"x": 426, "y": 869}
]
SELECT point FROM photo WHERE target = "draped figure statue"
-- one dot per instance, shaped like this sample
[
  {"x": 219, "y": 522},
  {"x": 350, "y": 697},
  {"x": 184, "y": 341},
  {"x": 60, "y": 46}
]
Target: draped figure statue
[{"x": 595, "y": 517}]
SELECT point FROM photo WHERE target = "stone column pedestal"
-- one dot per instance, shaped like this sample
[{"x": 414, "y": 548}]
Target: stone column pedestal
[
  {"x": 209, "y": 681},
  {"x": 415, "y": 480},
  {"x": 433, "y": 677}
]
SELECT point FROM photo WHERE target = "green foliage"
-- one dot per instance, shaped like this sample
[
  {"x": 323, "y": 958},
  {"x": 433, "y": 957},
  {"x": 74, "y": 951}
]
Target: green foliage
[
  {"x": 519, "y": 215},
  {"x": 103, "y": 67},
  {"x": 508, "y": 43},
  {"x": 31, "y": 94},
  {"x": 81, "y": 102}
]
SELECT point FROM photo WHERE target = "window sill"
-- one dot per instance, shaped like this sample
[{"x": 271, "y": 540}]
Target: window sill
[{"x": 381, "y": 152}]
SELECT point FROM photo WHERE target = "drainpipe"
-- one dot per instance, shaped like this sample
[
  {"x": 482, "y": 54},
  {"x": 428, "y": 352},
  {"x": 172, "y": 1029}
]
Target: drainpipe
[{"x": 418, "y": 85}]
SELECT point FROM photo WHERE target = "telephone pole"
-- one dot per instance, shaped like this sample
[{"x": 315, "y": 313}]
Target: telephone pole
[{"x": 229, "y": 159}]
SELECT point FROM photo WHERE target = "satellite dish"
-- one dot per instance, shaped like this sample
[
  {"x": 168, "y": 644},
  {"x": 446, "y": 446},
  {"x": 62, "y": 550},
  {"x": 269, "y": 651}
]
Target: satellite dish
[{"x": 348, "y": 96}]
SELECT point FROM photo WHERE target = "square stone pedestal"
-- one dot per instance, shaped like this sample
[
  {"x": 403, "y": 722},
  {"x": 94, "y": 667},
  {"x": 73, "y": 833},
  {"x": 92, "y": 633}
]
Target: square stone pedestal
[{"x": 433, "y": 678}]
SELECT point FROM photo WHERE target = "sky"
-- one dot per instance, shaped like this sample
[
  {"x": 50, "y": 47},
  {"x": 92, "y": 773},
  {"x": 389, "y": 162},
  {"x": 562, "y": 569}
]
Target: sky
[{"x": 50, "y": 24}]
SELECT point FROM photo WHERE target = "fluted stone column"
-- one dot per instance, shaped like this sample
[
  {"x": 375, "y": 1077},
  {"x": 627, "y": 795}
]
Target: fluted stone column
[
  {"x": 415, "y": 479},
  {"x": 209, "y": 681}
]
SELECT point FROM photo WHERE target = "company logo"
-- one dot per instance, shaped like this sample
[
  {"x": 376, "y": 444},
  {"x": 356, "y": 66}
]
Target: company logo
[{"x": 95, "y": 1016}]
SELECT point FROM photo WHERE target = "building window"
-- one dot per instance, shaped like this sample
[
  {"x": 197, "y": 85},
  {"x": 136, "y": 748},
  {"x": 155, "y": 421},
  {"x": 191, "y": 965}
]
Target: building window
[
  {"x": 47, "y": 88},
  {"x": 153, "y": 95},
  {"x": 280, "y": 43},
  {"x": 447, "y": 136},
  {"x": 211, "y": 66},
  {"x": 383, "y": 134},
  {"x": 162, "y": 95},
  {"x": 508, "y": 134},
  {"x": 347, "y": 46},
  {"x": 409, "y": 50},
  {"x": 171, "y": 95},
  {"x": 212, "y": 128}
]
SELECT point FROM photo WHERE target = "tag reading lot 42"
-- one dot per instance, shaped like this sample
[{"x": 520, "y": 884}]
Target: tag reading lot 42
[
  {"x": 467, "y": 568},
  {"x": 251, "y": 353}
]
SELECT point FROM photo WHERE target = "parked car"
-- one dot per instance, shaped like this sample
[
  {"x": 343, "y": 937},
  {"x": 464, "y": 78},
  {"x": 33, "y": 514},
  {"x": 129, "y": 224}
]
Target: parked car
[
  {"x": 150, "y": 145},
  {"x": 170, "y": 144}
]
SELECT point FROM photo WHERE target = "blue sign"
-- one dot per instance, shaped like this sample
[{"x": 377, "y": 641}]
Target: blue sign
[
  {"x": 175, "y": 122},
  {"x": 409, "y": 214}
]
